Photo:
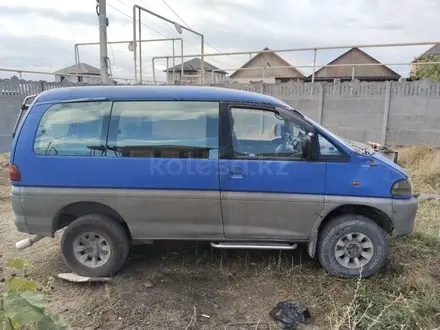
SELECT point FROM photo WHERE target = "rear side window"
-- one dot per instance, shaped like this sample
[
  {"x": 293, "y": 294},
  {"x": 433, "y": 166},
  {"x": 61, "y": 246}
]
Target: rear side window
[
  {"x": 166, "y": 129},
  {"x": 73, "y": 129}
]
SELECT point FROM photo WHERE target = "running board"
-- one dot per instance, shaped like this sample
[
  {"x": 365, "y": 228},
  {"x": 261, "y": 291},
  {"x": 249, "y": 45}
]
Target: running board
[{"x": 254, "y": 245}]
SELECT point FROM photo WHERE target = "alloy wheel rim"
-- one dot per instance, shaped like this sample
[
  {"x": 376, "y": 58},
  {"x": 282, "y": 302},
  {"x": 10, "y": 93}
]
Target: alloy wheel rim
[
  {"x": 354, "y": 250},
  {"x": 92, "y": 249}
]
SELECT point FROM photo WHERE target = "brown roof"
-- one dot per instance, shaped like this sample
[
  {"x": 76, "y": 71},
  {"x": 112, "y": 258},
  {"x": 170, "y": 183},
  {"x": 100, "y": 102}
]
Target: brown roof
[
  {"x": 433, "y": 50},
  {"x": 298, "y": 74},
  {"x": 356, "y": 56},
  {"x": 194, "y": 65},
  {"x": 83, "y": 68}
]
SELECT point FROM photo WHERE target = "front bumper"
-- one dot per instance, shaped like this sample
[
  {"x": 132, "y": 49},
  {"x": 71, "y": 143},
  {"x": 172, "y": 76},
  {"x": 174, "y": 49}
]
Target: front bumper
[{"x": 404, "y": 215}]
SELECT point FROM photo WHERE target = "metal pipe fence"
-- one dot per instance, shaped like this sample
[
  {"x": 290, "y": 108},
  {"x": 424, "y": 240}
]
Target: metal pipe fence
[
  {"x": 179, "y": 29},
  {"x": 78, "y": 61},
  {"x": 314, "y": 49},
  {"x": 353, "y": 75}
]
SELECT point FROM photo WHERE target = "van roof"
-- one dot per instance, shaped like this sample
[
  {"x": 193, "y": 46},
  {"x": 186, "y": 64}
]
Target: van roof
[{"x": 162, "y": 93}]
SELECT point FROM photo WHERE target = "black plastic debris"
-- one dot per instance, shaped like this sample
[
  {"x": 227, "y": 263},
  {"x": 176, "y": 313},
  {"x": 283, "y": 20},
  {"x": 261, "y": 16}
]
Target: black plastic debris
[{"x": 288, "y": 314}]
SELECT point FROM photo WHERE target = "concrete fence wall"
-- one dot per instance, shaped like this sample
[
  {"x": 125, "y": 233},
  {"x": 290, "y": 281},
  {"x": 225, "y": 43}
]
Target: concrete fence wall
[{"x": 392, "y": 113}]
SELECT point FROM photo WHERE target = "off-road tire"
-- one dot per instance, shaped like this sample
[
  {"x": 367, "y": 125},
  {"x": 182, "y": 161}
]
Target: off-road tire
[
  {"x": 114, "y": 233},
  {"x": 342, "y": 225}
]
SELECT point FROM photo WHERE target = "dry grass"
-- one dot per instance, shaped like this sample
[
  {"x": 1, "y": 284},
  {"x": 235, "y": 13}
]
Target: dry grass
[
  {"x": 423, "y": 165},
  {"x": 243, "y": 286}
]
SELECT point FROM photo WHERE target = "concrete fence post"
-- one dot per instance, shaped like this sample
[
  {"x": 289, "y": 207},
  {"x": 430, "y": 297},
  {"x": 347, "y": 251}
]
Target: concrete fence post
[
  {"x": 386, "y": 112},
  {"x": 321, "y": 103}
]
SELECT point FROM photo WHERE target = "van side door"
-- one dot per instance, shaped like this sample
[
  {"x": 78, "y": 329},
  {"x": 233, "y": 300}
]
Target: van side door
[
  {"x": 268, "y": 189},
  {"x": 166, "y": 154}
]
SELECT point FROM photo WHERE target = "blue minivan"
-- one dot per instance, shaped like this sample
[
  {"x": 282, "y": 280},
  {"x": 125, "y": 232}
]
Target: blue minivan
[{"x": 118, "y": 165}]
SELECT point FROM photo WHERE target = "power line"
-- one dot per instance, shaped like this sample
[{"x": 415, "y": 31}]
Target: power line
[
  {"x": 181, "y": 19},
  {"x": 149, "y": 27},
  {"x": 163, "y": 23},
  {"x": 131, "y": 17},
  {"x": 165, "y": 35},
  {"x": 169, "y": 7}
]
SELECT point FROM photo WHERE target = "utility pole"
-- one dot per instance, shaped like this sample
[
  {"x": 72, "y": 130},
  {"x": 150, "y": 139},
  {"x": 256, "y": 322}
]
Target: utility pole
[{"x": 103, "y": 23}]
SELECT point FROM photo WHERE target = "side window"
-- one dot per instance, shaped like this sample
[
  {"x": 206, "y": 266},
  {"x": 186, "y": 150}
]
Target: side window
[
  {"x": 260, "y": 134},
  {"x": 73, "y": 129},
  {"x": 327, "y": 149},
  {"x": 164, "y": 129}
]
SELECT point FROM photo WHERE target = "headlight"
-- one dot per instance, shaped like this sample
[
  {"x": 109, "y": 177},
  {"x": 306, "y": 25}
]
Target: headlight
[{"x": 402, "y": 188}]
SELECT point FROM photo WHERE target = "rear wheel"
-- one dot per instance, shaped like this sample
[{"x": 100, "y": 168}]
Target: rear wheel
[
  {"x": 351, "y": 246},
  {"x": 95, "y": 245}
]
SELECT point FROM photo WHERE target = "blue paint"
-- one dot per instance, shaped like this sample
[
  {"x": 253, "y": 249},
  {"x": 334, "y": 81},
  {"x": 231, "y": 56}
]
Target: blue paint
[
  {"x": 158, "y": 93},
  {"x": 294, "y": 177},
  {"x": 274, "y": 176},
  {"x": 374, "y": 181}
]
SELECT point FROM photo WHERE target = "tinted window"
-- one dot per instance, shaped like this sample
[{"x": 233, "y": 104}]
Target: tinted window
[
  {"x": 164, "y": 129},
  {"x": 259, "y": 133},
  {"x": 73, "y": 129}
]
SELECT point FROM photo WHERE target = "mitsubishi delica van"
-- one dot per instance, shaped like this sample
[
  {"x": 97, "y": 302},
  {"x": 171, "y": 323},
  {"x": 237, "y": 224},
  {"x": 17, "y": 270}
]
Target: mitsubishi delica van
[{"x": 134, "y": 164}]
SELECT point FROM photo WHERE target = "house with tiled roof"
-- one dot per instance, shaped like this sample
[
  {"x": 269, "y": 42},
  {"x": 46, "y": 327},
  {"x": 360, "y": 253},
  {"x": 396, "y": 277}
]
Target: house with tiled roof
[
  {"x": 435, "y": 50},
  {"x": 71, "y": 74},
  {"x": 268, "y": 67},
  {"x": 190, "y": 71},
  {"x": 346, "y": 67}
]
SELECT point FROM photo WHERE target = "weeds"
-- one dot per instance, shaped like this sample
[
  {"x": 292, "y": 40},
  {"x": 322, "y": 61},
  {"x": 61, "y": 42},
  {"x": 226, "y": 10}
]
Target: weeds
[
  {"x": 21, "y": 305},
  {"x": 423, "y": 165}
]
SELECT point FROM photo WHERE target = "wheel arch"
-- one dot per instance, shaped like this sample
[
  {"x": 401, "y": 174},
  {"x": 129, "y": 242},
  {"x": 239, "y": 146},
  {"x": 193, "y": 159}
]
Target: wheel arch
[
  {"x": 380, "y": 217},
  {"x": 70, "y": 212}
]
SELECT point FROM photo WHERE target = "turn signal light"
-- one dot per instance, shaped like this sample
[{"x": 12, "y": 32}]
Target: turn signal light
[{"x": 14, "y": 173}]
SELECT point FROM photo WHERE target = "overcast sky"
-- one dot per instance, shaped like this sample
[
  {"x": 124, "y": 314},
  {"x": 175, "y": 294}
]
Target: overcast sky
[{"x": 40, "y": 35}]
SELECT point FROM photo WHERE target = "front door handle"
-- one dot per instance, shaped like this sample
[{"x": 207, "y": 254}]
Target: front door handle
[{"x": 236, "y": 172}]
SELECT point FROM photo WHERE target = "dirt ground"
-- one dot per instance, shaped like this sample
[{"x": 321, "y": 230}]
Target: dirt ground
[{"x": 189, "y": 286}]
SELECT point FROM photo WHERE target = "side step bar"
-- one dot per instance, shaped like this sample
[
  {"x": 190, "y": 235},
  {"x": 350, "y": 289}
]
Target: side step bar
[{"x": 254, "y": 245}]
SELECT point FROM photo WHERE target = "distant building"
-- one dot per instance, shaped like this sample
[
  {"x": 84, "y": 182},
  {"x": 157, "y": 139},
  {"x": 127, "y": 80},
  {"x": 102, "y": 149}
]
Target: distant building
[
  {"x": 363, "y": 73},
  {"x": 191, "y": 72},
  {"x": 82, "y": 68},
  {"x": 264, "y": 71},
  {"x": 433, "y": 50}
]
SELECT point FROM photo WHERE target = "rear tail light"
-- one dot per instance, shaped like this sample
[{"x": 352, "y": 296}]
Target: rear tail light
[{"x": 14, "y": 173}]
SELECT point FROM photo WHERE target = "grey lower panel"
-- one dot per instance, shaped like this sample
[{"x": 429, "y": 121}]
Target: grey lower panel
[
  {"x": 19, "y": 216},
  {"x": 332, "y": 202},
  {"x": 177, "y": 214},
  {"x": 404, "y": 215},
  {"x": 270, "y": 216},
  {"x": 150, "y": 214}
]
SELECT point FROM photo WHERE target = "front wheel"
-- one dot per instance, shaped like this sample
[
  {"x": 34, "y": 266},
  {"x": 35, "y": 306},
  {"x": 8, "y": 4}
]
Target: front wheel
[
  {"x": 352, "y": 246},
  {"x": 95, "y": 245}
]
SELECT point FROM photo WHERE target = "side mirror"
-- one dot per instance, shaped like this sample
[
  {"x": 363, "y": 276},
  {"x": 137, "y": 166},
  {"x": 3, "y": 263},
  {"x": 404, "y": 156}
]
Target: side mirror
[
  {"x": 307, "y": 146},
  {"x": 278, "y": 130}
]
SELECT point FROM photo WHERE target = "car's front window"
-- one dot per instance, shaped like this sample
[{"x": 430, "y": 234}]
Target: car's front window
[{"x": 352, "y": 145}]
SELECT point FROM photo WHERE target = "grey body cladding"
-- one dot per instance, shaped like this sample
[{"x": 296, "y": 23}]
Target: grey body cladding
[
  {"x": 149, "y": 214},
  {"x": 201, "y": 215}
]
